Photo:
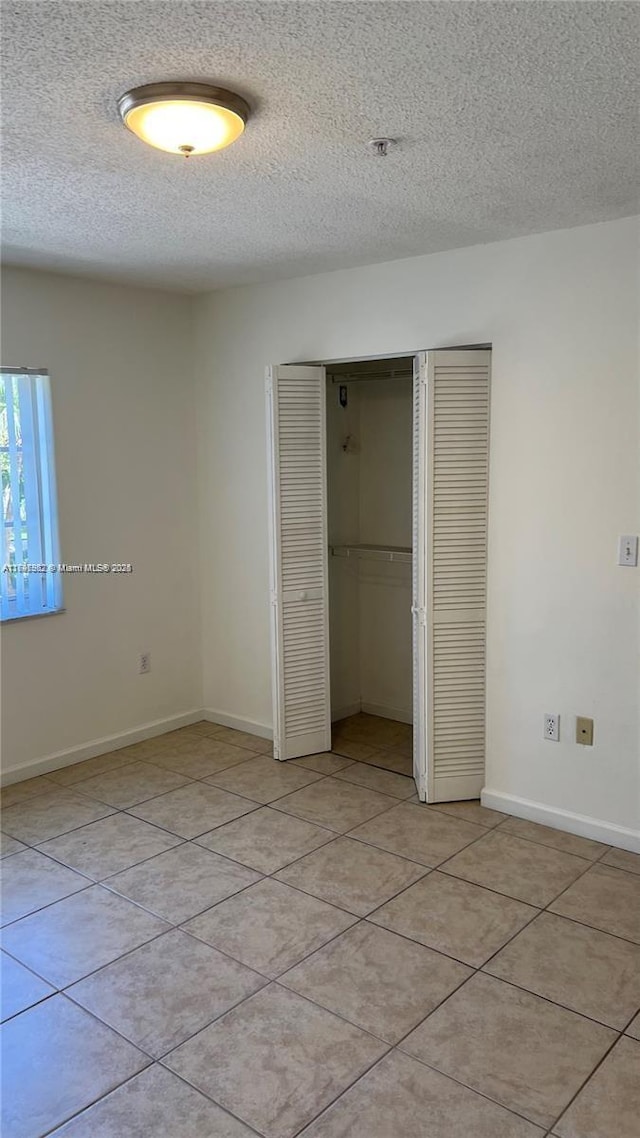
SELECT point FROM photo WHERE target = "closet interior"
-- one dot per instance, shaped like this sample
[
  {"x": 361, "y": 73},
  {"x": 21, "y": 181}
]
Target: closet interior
[{"x": 369, "y": 498}]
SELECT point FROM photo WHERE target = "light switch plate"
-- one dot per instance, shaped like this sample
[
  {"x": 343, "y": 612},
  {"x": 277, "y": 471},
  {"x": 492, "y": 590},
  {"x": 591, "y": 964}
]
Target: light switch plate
[{"x": 628, "y": 549}]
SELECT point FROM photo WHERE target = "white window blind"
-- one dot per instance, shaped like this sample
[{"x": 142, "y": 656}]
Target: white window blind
[{"x": 29, "y": 581}]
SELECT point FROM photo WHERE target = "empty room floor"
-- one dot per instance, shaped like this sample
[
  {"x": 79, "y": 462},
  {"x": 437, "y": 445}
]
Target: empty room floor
[{"x": 200, "y": 942}]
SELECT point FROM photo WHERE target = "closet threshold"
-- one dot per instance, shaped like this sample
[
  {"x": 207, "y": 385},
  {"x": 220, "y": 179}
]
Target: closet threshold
[{"x": 400, "y": 553}]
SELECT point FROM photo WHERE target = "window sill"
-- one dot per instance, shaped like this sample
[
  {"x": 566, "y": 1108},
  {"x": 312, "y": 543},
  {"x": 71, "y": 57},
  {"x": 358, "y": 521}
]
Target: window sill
[{"x": 5, "y": 620}]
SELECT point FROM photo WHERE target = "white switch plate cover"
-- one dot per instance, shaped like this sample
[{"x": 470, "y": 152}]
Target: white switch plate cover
[{"x": 628, "y": 549}]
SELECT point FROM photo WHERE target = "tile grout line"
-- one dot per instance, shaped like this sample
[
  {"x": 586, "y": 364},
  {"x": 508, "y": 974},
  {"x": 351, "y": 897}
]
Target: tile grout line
[
  {"x": 575, "y": 920},
  {"x": 49, "y": 904},
  {"x": 474, "y": 1090},
  {"x": 388, "y": 1049},
  {"x": 392, "y": 802},
  {"x": 287, "y": 864},
  {"x": 480, "y": 970},
  {"x": 96, "y": 774},
  {"x": 442, "y": 869},
  {"x": 203, "y": 779},
  {"x": 276, "y": 980},
  {"x": 179, "y": 924},
  {"x": 92, "y": 881},
  {"x": 362, "y": 919},
  {"x": 134, "y": 865},
  {"x": 154, "y": 1063},
  {"x": 429, "y": 1067},
  {"x": 64, "y": 990},
  {"x": 541, "y": 909},
  {"x": 457, "y": 959},
  {"x": 355, "y": 837},
  {"x": 547, "y": 1000},
  {"x": 391, "y": 1046},
  {"x": 36, "y": 1004},
  {"x": 426, "y": 872},
  {"x": 61, "y": 989},
  {"x": 547, "y": 845},
  {"x": 268, "y": 979},
  {"x": 342, "y": 908},
  {"x": 128, "y": 810},
  {"x": 590, "y": 1076},
  {"x": 172, "y": 927},
  {"x": 358, "y": 920},
  {"x": 343, "y": 1019},
  {"x": 90, "y": 1105},
  {"x": 84, "y": 873},
  {"x": 174, "y": 1047},
  {"x": 103, "y": 1023},
  {"x": 102, "y": 881},
  {"x": 109, "y": 811}
]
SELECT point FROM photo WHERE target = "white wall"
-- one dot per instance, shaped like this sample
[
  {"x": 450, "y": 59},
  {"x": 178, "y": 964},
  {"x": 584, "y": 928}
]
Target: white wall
[
  {"x": 386, "y": 455},
  {"x": 561, "y": 311},
  {"x": 386, "y": 648},
  {"x": 343, "y": 499},
  {"x": 124, "y": 427}
]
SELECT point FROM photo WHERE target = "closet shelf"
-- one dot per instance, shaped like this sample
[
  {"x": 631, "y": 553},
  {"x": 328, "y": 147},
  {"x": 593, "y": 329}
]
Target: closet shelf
[{"x": 373, "y": 552}]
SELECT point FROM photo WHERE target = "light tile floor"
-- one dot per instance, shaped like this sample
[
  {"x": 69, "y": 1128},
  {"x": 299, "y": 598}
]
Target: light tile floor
[{"x": 201, "y": 943}]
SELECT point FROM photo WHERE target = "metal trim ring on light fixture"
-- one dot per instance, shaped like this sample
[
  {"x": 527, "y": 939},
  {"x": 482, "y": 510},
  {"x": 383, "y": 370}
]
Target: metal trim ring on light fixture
[{"x": 198, "y": 92}]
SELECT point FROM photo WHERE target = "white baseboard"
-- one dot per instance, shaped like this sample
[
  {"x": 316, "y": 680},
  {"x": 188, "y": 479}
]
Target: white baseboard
[
  {"x": 580, "y": 824},
  {"x": 397, "y": 713},
  {"x": 263, "y": 730},
  {"x": 380, "y": 709},
  {"x": 338, "y": 713},
  {"x": 101, "y": 746}
]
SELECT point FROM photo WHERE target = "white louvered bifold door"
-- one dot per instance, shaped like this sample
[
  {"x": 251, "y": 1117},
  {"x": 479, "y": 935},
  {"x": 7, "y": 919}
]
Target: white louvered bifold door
[
  {"x": 420, "y": 575},
  {"x": 458, "y": 400},
  {"x": 296, "y": 418}
]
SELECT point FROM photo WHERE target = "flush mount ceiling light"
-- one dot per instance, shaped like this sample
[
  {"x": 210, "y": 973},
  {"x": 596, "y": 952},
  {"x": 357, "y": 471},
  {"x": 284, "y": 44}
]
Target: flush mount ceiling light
[{"x": 184, "y": 118}]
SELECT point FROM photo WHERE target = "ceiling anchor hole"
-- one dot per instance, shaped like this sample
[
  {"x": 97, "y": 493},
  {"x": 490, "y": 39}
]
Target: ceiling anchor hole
[{"x": 381, "y": 146}]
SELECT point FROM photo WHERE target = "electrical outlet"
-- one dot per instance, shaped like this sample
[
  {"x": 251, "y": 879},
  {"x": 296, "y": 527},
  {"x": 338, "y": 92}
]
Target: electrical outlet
[
  {"x": 144, "y": 663},
  {"x": 584, "y": 731},
  {"x": 552, "y": 727}
]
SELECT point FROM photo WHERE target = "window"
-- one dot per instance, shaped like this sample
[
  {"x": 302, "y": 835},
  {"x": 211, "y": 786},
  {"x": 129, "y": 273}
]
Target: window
[{"x": 30, "y": 581}]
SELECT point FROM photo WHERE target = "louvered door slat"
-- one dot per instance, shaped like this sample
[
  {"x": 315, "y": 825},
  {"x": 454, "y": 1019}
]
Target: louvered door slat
[
  {"x": 298, "y": 546},
  {"x": 457, "y": 507}
]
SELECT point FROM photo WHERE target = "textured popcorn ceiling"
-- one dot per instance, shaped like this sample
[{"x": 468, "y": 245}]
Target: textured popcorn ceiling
[{"x": 512, "y": 118}]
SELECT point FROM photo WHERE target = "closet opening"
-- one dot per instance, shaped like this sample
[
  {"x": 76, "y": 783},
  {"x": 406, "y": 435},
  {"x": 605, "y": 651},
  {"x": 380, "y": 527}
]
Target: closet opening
[
  {"x": 378, "y": 499},
  {"x": 369, "y": 455}
]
